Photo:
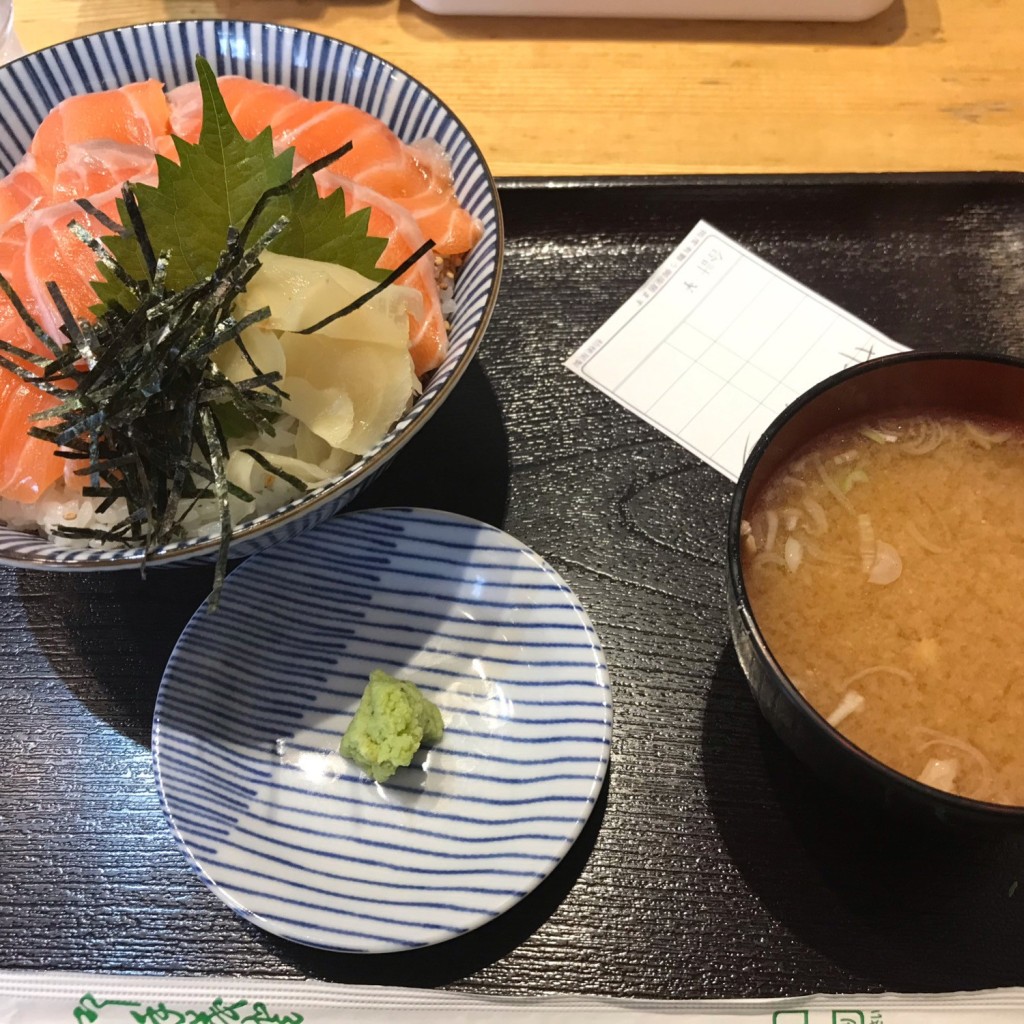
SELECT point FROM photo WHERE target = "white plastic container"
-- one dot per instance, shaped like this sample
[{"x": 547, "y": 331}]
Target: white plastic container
[{"x": 733, "y": 10}]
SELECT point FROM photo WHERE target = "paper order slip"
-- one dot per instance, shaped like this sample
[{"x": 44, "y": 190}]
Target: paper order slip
[{"x": 717, "y": 343}]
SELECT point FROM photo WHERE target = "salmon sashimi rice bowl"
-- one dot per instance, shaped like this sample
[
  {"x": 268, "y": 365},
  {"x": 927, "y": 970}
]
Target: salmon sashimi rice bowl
[{"x": 214, "y": 297}]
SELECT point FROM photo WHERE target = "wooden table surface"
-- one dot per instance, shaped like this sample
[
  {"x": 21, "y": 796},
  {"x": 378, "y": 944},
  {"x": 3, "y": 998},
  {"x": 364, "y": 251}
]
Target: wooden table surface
[
  {"x": 927, "y": 85},
  {"x": 713, "y": 865}
]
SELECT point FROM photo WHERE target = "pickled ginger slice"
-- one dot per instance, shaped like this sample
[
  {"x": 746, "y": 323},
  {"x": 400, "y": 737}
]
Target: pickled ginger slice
[
  {"x": 326, "y": 412},
  {"x": 263, "y": 348},
  {"x": 301, "y": 293},
  {"x": 246, "y": 472},
  {"x": 377, "y": 381},
  {"x": 429, "y": 335}
]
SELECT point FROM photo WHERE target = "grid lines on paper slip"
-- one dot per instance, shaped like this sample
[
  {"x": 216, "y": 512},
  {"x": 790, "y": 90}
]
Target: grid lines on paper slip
[{"x": 725, "y": 344}]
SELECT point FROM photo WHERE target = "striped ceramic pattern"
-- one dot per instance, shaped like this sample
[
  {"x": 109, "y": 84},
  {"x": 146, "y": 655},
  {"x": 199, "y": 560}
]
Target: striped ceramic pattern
[
  {"x": 317, "y": 67},
  {"x": 256, "y": 697}
]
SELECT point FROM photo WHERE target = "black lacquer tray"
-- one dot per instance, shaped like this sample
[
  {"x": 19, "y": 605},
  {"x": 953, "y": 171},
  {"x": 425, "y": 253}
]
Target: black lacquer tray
[{"x": 713, "y": 866}]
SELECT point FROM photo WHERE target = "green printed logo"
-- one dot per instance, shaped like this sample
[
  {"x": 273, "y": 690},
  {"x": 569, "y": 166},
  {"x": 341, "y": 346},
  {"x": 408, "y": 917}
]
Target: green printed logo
[
  {"x": 813, "y": 1017},
  {"x": 91, "y": 1010}
]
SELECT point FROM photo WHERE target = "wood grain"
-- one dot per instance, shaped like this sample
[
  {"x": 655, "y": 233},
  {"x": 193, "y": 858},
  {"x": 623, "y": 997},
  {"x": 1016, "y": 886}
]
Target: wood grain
[{"x": 923, "y": 86}]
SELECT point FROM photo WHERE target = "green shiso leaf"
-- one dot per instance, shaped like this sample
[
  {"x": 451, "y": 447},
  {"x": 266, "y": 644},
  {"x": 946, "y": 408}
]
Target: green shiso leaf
[
  {"x": 214, "y": 187},
  {"x": 318, "y": 229}
]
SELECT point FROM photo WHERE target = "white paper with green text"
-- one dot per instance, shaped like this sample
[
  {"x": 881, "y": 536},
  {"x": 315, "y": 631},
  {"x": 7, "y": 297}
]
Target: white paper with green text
[{"x": 60, "y": 998}]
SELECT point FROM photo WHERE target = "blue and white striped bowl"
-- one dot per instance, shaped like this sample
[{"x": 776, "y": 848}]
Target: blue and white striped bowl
[
  {"x": 257, "y": 695},
  {"x": 316, "y": 67}
]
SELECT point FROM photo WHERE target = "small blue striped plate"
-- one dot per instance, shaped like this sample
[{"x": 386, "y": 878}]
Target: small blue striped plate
[{"x": 257, "y": 694}]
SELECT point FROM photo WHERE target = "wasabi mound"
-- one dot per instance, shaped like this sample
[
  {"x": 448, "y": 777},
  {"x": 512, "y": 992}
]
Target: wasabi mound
[{"x": 391, "y": 723}]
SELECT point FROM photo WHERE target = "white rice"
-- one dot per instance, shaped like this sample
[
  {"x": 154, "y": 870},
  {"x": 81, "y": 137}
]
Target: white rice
[{"x": 64, "y": 505}]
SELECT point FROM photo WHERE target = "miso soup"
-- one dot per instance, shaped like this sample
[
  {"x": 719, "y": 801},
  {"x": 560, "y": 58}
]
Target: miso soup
[{"x": 885, "y": 569}]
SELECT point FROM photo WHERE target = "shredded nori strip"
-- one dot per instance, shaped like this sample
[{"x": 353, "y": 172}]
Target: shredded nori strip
[
  {"x": 138, "y": 390},
  {"x": 393, "y": 276},
  {"x": 140, "y": 403}
]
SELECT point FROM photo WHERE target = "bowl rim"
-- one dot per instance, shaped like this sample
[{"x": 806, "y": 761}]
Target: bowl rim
[
  {"x": 301, "y": 505},
  {"x": 954, "y": 805}
]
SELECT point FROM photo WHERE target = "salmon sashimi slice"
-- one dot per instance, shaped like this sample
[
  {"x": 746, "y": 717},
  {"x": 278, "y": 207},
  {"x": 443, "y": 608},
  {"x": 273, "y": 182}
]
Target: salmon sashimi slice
[
  {"x": 428, "y": 337},
  {"x": 89, "y": 145},
  {"x": 53, "y": 253},
  {"x": 407, "y": 178},
  {"x": 12, "y": 264},
  {"x": 29, "y": 466},
  {"x": 430, "y": 199},
  {"x": 417, "y": 177},
  {"x": 20, "y": 191},
  {"x": 40, "y": 248},
  {"x": 137, "y": 114},
  {"x": 99, "y": 165}
]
